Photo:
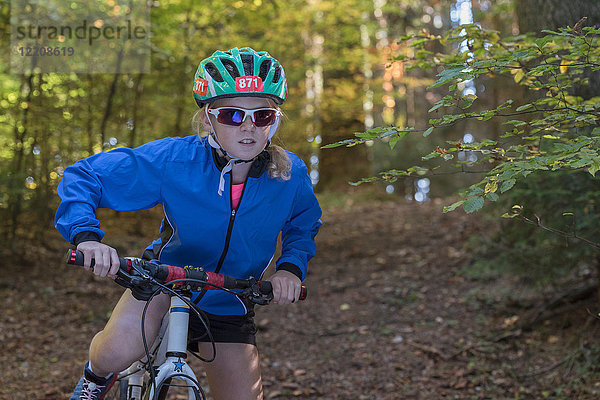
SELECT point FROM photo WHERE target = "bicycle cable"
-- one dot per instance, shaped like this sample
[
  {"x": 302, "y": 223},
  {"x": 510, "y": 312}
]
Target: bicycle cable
[{"x": 162, "y": 288}]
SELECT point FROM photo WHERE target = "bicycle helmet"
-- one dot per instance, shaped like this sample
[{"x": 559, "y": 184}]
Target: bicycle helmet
[{"x": 239, "y": 72}]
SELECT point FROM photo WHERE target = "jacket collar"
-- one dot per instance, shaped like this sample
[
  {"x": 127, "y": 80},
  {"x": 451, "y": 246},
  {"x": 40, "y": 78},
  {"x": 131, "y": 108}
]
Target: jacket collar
[{"x": 258, "y": 167}]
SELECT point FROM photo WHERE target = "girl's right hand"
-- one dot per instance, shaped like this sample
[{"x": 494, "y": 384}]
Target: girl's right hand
[{"x": 106, "y": 260}]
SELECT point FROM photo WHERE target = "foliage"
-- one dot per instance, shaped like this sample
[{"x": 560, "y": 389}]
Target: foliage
[
  {"x": 49, "y": 120},
  {"x": 554, "y": 130},
  {"x": 564, "y": 204}
]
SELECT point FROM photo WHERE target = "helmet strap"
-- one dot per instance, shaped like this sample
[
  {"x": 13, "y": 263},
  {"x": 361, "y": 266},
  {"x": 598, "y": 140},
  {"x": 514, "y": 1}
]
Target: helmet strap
[{"x": 213, "y": 140}]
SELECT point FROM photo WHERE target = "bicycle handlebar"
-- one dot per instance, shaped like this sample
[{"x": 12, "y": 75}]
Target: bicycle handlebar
[{"x": 126, "y": 276}]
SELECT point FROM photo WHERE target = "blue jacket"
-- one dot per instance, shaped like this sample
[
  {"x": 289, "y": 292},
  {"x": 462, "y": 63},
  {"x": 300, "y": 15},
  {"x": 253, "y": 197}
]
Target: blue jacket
[{"x": 200, "y": 227}]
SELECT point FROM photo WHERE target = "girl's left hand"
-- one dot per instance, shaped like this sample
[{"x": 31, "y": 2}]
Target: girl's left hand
[{"x": 286, "y": 287}]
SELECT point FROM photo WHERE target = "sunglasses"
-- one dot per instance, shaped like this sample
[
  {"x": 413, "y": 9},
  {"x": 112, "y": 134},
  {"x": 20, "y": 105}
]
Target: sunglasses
[{"x": 235, "y": 116}]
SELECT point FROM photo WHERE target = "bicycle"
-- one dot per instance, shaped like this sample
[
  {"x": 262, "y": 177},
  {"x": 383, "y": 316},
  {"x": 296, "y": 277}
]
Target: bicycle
[{"x": 153, "y": 377}]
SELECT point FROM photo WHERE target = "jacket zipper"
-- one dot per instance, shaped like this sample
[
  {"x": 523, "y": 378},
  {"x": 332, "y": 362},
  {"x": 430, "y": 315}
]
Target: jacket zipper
[{"x": 228, "y": 236}]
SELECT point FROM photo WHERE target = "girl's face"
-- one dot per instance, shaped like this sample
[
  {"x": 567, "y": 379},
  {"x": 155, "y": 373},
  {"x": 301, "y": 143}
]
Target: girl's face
[{"x": 247, "y": 140}]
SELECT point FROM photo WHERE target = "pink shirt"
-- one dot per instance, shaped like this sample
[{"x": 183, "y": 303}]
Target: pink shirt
[{"x": 236, "y": 194}]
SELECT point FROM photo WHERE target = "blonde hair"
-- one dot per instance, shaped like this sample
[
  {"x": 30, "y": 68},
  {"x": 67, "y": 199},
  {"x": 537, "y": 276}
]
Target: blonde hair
[{"x": 279, "y": 166}]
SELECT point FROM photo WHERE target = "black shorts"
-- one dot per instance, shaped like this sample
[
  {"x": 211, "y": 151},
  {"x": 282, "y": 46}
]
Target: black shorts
[{"x": 224, "y": 329}]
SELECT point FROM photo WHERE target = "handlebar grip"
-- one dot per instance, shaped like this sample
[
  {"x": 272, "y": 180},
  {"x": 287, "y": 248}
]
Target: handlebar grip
[
  {"x": 75, "y": 257},
  {"x": 266, "y": 287},
  {"x": 303, "y": 293}
]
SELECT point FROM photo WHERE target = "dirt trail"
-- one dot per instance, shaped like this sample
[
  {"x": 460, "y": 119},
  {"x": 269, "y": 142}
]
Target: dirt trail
[{"x": 389, "y": 316}]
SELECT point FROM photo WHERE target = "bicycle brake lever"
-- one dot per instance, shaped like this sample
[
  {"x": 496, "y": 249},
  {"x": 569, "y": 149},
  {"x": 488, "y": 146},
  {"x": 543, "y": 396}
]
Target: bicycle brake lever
[
  {"x": 136, "y": 265},
  {"x": 254, "y": 294},
  {"x": 121, "y": 282}
]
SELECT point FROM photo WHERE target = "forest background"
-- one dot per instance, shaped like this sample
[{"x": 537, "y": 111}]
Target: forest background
[{"x": 348, "y": 68}]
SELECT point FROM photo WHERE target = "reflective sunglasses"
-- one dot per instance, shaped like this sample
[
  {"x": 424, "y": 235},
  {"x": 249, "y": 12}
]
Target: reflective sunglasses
[{"x": 235, "y": 116}]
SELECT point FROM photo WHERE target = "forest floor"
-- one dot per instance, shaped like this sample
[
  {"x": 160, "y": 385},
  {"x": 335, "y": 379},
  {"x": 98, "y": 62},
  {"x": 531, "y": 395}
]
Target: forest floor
[{"x": 392, "y": 313}]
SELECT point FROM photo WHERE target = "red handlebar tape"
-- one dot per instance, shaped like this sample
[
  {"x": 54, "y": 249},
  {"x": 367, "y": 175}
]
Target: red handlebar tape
[
  {"x": 211, "y": 277},
  {"x": 72, "y": 257},
  {"x": 215, "y": 279},
  {"x": 175, "y": 273}
]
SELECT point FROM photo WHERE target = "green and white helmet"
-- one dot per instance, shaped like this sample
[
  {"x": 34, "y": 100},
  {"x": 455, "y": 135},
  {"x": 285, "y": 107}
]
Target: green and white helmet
[{"x": 239, "y": 72}]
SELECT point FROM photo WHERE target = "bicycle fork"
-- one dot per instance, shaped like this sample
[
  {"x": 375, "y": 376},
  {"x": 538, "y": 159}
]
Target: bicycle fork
[{"x": 173, "y": 351}]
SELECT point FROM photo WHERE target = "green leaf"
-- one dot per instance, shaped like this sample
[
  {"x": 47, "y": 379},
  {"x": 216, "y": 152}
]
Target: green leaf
[
  {"x": 594, "y": 168},
  {"x": 436, "y": 106},
  {"x": 488, "y": 142},
  {"x": 365, "y": 135},
  {"x": 507, "y": 185},
  {"x": 453, "y": 206},
  {"x": 492, "y": 196},
  {"x": 345, "y": 142},
  {"x": 364, "y": 180},
  {"x": 428, "y": 131},
  {"x": 473, "y": 204},
  {"x": 396, "y": 138},
  {"x": 332, "y": 145},
  {"x": 488, "y": 115},
  {"x": 524, "y": 107},
  {"x": 475, "y": 190},
  {"x": 541, "y": 42},
  {"x": 433, "y": 154},
  {"x": 514, "y": 122},
  {"x": 581, "y": 163}
]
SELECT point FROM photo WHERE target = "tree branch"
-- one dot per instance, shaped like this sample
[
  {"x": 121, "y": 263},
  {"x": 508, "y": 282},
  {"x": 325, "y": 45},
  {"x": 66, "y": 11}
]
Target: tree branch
[{"x": 539, "y": 224}]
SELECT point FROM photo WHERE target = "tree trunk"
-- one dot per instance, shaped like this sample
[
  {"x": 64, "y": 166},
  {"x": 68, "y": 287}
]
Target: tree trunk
[
  {"x": 182, "y": 92},
  {"x": 109, "y": 100},
  {"x": 598, "y": 275},
  {"x": 90, "y": 116},
  {"x": 44, "y": 192},
  {"x": 536, "y": 15},
  {"x": 15, "y": 199},
  {"x": 138, "y": 88}
]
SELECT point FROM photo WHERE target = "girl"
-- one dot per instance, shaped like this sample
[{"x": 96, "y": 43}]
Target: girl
[{"x": 226, "y": 198}]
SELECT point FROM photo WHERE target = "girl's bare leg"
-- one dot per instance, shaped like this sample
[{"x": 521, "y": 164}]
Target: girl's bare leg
[
  {"x": 120, "y": 343},
  {"x": 235, "y": 372}
]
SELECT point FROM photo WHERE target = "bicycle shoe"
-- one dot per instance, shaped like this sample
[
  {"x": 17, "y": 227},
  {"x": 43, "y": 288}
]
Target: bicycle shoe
[{"x": 91, "y": 386}]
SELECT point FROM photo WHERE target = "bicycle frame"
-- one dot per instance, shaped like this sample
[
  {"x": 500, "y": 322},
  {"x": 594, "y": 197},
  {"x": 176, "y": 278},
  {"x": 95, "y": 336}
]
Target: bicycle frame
[{"x": 169, "y": 359}]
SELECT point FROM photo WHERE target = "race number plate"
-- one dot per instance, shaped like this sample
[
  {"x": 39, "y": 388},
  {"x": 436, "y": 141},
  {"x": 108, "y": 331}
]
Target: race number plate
[
  {"x": 249, "y": 83},
  {"x": 200, "y": 86}
]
